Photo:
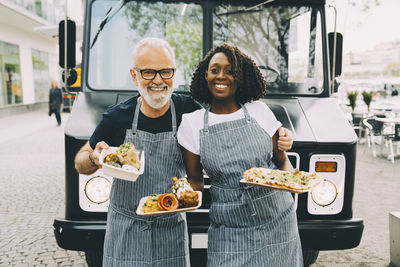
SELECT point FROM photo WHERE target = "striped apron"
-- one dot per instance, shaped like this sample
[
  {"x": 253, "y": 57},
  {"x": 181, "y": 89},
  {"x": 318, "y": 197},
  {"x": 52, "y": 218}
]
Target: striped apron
[
  {"x": 133, "y": 240},
  {"x": 250, "y": 226}
]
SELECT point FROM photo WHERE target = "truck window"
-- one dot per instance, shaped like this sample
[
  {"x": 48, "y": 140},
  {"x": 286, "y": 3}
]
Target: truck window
[
  {"x": 284, "y": 41},
  {"x": 110, "y": 57}
]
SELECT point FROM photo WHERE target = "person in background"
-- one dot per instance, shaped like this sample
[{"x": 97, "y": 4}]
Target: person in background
[
  {"x": 250, "y": 226},
  {"x": 55, "y": 101}
]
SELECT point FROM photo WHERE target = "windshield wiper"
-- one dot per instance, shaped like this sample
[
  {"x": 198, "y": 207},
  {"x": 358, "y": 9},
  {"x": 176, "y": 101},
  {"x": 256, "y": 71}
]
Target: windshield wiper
[
  {"x": 111, "y": 12},
  {"x": 246, "y": 10}
]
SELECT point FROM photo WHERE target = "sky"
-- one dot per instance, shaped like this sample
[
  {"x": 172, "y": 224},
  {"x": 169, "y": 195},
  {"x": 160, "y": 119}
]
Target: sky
[{"x": 363, "y": 30}]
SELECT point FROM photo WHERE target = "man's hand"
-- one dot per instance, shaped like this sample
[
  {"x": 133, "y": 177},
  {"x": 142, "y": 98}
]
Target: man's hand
[
  {"x": 97, "y": 151},
  {"x": 87, "y": 159},
  {"x": 285, "y": 140}
]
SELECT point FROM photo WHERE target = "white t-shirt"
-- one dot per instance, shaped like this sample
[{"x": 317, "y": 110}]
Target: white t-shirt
[{"x": 189, "y": 130}]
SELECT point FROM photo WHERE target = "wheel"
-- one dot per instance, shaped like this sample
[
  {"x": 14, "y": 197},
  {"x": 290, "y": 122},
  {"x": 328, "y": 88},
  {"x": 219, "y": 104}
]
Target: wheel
[
  {"x": 94, "y": 258},
  {"x": 310, "y": 257}
]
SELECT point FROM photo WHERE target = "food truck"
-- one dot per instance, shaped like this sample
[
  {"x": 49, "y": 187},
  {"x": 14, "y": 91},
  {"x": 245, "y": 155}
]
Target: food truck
[{"x": 300, "y": 60}]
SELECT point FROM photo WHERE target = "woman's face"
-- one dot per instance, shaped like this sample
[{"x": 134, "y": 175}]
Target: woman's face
[{"x": 219, "y": 78}]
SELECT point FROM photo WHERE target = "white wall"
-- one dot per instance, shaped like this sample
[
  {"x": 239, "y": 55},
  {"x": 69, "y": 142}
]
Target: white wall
[{"x": 26, "y": 41}]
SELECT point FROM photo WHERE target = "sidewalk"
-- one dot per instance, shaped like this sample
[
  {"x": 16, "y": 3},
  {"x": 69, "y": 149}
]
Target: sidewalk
[
  {"x": 376, "y": 194},
  {"x": 377, "y": 190}
]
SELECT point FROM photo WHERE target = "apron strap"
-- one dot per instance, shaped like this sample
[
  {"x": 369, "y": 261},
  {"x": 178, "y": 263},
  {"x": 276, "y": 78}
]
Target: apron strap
[
  {"x": 173, "y": 115},
  {"x": 136, "y": 117},
  {"x": 205, "y": 129},
  {"x": 206, "y": 125},
  {"x": 246, "y": 113}
]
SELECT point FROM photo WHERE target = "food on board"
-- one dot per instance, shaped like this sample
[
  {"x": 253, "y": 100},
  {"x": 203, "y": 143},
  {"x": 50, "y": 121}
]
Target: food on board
[
  {"x": 125, "y": 157},
  {"x": 167, "y": 201},
  {"x": 182, "y": 196},
  {"x": 151, "y": 204},
  {"x": 184, "y": 192},
  {"x": 296, "y": 180}
]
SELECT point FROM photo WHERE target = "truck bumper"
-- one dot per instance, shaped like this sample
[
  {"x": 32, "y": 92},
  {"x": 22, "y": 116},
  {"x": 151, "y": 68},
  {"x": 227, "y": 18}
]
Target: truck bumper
[
  {"x": 79, "y": 235},
  {"x": 330, "y": 234},
  {"x": 315, "y": 235}
]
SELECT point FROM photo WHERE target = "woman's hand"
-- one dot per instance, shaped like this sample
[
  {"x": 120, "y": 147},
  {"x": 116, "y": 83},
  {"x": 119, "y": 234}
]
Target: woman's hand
[
  {"x": 285, "y": 140},
  {"x": 279, "y": 157}
]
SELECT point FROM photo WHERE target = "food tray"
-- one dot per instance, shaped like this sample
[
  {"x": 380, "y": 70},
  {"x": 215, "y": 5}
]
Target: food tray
[
  {"x": 120, "y": 173},
  {"x": 270, "y": 186},
  {"x": 139, "y": 210}
]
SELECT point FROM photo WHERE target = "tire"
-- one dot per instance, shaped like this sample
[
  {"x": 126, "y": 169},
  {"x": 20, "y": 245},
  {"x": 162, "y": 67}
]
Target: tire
[
  {"x": 310, "y": 257},
  {"x": 94, "y": 258}
]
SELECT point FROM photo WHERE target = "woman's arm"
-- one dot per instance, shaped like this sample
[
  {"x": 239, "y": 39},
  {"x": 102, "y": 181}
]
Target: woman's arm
[
  {"x": 280, "y": 158},
  {"x": 194, "y": 170}
]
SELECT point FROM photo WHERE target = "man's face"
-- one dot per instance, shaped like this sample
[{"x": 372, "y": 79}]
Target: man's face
[{"x": 157, "y": 91}]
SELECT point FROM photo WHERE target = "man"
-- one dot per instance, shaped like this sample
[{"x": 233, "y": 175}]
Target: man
[
  {"x": 55, "y": 101},
  {"x": 150, "y": 122}
]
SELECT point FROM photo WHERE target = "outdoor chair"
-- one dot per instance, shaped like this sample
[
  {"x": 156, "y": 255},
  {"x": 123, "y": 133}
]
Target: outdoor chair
[
  {"x": 373, "y": 130},
  {"x": 395, "y": 137},
  {"x": 357, "y": 124}
]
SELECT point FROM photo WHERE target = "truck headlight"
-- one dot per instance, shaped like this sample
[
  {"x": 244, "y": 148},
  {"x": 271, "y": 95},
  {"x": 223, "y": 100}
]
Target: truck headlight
[
  {"x": 97, "y": 189},
  {"x": 324, "y": 193}
]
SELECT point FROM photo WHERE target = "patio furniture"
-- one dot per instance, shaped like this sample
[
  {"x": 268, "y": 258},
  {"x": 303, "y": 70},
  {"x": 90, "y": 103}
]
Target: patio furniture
[
  {"x": 395, "y": 137},
  {"x": 373, "y": 132}
]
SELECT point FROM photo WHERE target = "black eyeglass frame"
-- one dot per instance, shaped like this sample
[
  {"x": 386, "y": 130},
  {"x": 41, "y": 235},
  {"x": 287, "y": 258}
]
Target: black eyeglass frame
[{"x": 156, "y": 72}]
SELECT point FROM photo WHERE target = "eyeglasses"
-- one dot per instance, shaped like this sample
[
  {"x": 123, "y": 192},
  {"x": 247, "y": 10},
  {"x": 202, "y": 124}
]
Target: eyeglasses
[{"x": 149, "y": 74}]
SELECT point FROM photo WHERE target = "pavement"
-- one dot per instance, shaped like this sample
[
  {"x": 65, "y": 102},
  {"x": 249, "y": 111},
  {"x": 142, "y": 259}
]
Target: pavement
[
  {"x": 32, "y": 191},
  {"x": 32, "y": 195}
]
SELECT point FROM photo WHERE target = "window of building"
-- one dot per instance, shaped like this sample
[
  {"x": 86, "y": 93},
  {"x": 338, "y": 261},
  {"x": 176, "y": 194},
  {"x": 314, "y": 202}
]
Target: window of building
[
  {"x": 10, "y": 75},
  {"x": 41, "y": 75}
]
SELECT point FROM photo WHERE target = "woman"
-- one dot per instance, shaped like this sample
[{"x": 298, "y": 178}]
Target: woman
[{"x": 249, "y": 226}]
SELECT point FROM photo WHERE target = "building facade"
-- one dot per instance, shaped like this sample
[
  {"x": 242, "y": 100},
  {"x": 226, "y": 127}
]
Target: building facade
[{"x": 29, "y": 54}]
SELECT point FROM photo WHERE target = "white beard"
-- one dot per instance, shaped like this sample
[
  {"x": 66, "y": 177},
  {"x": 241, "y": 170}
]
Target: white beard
[{"x": 156, "y": 99}]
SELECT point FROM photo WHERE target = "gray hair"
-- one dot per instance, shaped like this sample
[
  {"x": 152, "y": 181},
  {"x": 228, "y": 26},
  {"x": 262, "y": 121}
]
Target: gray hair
[{"x": 152, "y": 42}]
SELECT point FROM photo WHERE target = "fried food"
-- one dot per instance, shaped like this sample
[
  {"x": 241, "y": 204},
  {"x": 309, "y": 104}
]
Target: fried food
[
  {"x": 167, "y": 201},
  {"x": 151, "y": 204},
  {"x": 187, "y": 197},
  {"x": 126, "y": 154}
]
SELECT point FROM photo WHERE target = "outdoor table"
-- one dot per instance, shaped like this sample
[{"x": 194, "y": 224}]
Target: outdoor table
[{"x": 389, "y": 120}]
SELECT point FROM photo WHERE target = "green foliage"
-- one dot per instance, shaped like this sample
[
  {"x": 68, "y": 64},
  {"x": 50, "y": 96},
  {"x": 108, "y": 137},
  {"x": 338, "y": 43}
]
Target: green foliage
[
  {"x": 187, "y": 43},
  {"x": 367, "y": 97},
  {"x": 352, "y": 96},
  {"x": 182, "y": 30}
]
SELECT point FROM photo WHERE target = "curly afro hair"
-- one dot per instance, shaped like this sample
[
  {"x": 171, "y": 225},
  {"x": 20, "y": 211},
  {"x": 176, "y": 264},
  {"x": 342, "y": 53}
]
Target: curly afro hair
[{"x": 250, "y": 82}]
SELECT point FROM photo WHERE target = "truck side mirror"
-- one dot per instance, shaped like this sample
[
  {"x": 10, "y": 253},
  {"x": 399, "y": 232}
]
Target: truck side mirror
[
  {"x": 339, "y": 52},
  {"x": 70, "y": 43}
]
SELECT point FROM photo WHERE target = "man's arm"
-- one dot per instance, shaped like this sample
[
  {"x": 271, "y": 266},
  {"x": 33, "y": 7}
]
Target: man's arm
[{"x": 87, "y": 159}]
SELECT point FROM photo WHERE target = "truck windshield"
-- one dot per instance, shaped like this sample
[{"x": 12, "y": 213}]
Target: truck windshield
[
  {"x": 110, "y": 57},
  {"x": 285, "y": 42}
]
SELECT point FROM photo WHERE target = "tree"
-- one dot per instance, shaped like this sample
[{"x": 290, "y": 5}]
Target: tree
[{"x": 183, "y": 30}]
